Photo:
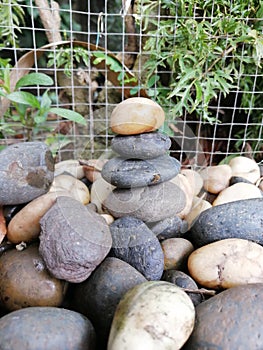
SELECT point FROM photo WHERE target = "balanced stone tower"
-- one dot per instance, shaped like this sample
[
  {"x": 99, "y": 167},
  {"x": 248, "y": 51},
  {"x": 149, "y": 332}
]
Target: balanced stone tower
[{"x": 142, "y": 168}]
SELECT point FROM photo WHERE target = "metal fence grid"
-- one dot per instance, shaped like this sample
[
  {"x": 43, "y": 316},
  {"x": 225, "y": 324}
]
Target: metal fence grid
[{"x": 90, "y": 91}]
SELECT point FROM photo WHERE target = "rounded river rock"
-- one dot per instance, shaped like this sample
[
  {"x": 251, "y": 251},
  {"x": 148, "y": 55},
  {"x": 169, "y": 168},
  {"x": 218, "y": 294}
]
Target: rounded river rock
[
  {"x": 141, "y": 146},
  {"x": 230, "y": 320},
  {"x": 227, "y": 263},
  {"x": 73, "y": 240},
  {"x": 128, "y": 173},
  {"x": 169, "y": 228},
  {"x": 26, "y": 282},
  {"x": 98, "y": 296},
  {"x": 150, "y": 204},
  {"x": 135, "y": 243},
  {"x": 26, "y": 172},
  {"x": 184, "y": 281},
  {"x": 46, "y": 328},
  {"x": 239, "y": 219}
]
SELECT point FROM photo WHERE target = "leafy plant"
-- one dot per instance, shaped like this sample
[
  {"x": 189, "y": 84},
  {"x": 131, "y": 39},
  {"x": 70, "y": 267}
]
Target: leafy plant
[
  {"x": 30, "y": 110},
  {"x": 208, "y": 46},
  {"x": 12, "y": 17},
  {"x": 68, "y": 58}
]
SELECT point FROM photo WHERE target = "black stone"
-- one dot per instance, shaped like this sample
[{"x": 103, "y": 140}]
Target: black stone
[
  {"x": 135, "y": 243},
  {"x": 184, "y": 281},
  {"x": 44, "y": 328},
  {"x": 239, "y": 219},
  {"x": 238, "y": 179},
  {"x": 129, "y": 173},
  {"x": 141, "y": 146},
  {"x": 98, "y": 296},
  {"x": 172, "y": 227}
]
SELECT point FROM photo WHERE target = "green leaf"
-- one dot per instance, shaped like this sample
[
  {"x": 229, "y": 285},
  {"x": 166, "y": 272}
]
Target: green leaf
[
  {"x": 40, "y": 119},
  {"x": 45, "y": 102},
  {"x": 68, "y": 114},
  {"x": 198, "y": 92},
  {"x": 34, "y": 79},
  {"x": 2, "y": 93},
  {"x": 25, "y": 98}
]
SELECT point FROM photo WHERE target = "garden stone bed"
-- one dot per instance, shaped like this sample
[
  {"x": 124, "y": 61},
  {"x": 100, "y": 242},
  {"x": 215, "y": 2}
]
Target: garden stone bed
[{"x": 163, "y": 257}]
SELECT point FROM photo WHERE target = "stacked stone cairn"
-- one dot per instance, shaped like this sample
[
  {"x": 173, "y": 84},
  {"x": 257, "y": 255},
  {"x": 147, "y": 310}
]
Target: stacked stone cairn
[{"x": 142, "y": 168}]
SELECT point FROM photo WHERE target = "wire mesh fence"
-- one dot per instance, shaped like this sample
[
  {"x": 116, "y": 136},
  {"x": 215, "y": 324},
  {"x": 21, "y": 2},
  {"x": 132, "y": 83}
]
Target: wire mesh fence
[{"x": 201, "y": 60}]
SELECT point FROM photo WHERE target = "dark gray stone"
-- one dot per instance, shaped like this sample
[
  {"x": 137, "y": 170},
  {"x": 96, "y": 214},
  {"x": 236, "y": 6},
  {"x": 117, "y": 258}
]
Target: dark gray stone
[
  {"x": 239, "y": 219},
  {"x": 149, "y": 204},
  {"x": 230, "y": 320},
  {"x": 135, "y": 243},
  {"x": 44, "y": 328},
  {"x": 26, "y": 172},
  {"x": 141, "y": 146},
  {"x": 73, "y": 240},
  {"x": 184, "y": 281},
  {"x": 173, "y": 227},
  {"x": 128, "y": 173},
  {"x": 98, "y": 296},
  {"x": 237, "y": 179}
]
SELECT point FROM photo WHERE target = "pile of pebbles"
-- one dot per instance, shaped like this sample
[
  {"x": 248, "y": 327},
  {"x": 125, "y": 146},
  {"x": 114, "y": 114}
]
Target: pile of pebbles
[{"x": 133, "y": 252}]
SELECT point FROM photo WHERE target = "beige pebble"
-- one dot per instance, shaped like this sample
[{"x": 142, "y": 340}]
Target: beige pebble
[
  {"x": 100, "y": 190},
  {"x": 92, "y": 168},
  {"x": 108, "y": 218},
  {"x": 195, "y": 179},
  {"x": 227, "y": 263},
  {"x": 75, "y": 187},
  {"x": 136, "y": 115},
  {"x": 154, "y": 315},
  {"x": 198, "y": 206},
  {"x": 238, "y": 191},
  {"x": 71, "y": 167},
  {"x": 176, "y": 252},
  {"x": 216, "y": 178},
  {"x": 183, "y": 182},
  {"x": 245, "y": 167},
  {"x": 24, "y": 226}
]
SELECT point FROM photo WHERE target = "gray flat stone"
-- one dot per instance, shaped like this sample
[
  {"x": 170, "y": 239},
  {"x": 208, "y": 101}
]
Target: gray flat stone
[
  {"x": 141, "y": 146},
  {"x": 26, "y": 172},
  {"x": 129, "y": 173},
  {"x": 152, "y": 203}
]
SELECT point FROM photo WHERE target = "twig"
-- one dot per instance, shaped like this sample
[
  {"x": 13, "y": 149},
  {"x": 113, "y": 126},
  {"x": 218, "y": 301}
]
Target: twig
[
  {"x": 200, "y": 291},
  {"x": 51, "y": 19}
]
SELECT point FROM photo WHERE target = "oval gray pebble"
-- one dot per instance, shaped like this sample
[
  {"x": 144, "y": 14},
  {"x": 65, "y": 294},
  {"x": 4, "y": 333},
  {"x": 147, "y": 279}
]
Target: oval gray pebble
[
  {"x": 141, "y": 146},
  {"x": 135, "y": 243},
  {"x": 129, "y": 173},
  {"x": 240, "y": 219},
  {"x": 45, "y": 328},
  {"x": 26, "y": 172},
  {"x": 149, "y": 204},
  {"x": 230, "y": 320}
]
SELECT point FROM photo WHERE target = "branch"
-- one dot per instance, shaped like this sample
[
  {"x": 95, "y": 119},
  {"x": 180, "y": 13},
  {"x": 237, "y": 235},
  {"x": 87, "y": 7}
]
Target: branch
[{"x": 51, "y": 19}]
